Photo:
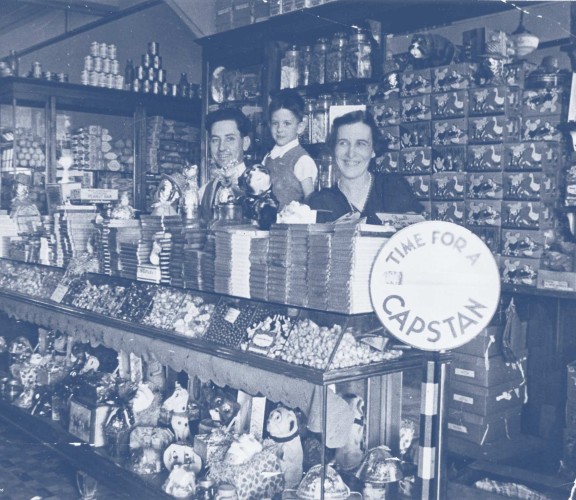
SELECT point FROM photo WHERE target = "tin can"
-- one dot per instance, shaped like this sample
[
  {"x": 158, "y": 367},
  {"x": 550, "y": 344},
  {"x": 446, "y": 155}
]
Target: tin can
[
  {"x": 151, "y": 74},
  {"x": 157, "y": 61},
  {"x": 48, "y": 75},
  {"x": 165, "y": 88},
  {"x": 141, "y": 73},
  {"x": 103, "y": 50},
  {"x": 106, "y": 65},
  {"x": 112, "y": 52},
  {"x": 62, "y": 77},
  {"x": 156, "y": 87},
  {"x": 84, "y": 78},
  {"x": 119, "y": 82},
  {"x": 98, "y": 64},
  {"x": 114, "y": 67},
  {"x": 161, "y": 75},
  {"x": 146, "y": 86},
  {"x": 136, "y": 85},
  {"x": 146, "y": 60},
  {"x": 174, "y": 90},
  {"x": 36, "y": 70},
  {"x": 89, "y": 63},
  {"x": 153, "y": 48},
  {"x": 102, "y": 79},
  {"x": 95, "y": 49},
  {"x": 93, "y": 78},
  {"x": 109, "y": 80}
]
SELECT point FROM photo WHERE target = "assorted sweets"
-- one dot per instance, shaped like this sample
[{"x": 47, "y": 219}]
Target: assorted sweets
[
  {"x": 193, "y": 316},
  {"x": 164, "y": 308},
  {"x": 33, "y": 280}
]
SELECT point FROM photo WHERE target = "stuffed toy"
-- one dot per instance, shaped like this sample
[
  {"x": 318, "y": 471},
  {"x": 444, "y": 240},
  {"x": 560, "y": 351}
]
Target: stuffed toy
[
  {"x": 351, "y": 454},
  {"x": 147, "y": 445},
  {"x": 222, "y": 407},
  {"x": 182, "y": 481},
  {"x": 282, "y": 426},
  {"x": 177, "y": 407},
  {"x": 427, "y": 51},
  {"x": 180, "y": 454},
  {"x": 258, "y": 203}
]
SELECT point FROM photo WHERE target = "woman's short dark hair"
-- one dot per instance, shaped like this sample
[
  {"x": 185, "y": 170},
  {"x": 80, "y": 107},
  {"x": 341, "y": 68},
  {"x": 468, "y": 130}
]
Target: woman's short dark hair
[
  {"x": 356, "y": 117},
  {"x": 233, "y": 114},
  {"x": 287, "y": 99}
]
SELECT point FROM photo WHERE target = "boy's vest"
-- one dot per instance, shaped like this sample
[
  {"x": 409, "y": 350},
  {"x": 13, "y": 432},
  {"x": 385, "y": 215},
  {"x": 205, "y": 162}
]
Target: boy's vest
[{"x": 285, "y": 184}]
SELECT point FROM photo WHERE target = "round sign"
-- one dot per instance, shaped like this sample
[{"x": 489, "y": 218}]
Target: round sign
[{"x": 435, "y": 285}]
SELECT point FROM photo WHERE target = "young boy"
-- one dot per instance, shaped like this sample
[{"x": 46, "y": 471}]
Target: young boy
[{"x": 293, "y": 171}]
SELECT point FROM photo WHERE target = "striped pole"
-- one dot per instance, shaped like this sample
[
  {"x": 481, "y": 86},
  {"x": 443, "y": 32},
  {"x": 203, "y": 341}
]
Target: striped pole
[{"x": 430, "y": 452}]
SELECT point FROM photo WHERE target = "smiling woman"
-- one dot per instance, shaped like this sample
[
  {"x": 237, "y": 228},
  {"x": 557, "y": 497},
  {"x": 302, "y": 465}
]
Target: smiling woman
[{"x": 353, "y": 140}]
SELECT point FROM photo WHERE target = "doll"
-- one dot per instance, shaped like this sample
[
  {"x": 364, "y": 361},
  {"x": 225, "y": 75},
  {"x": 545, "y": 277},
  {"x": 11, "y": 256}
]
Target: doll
[{"x": 259, "y": 203}]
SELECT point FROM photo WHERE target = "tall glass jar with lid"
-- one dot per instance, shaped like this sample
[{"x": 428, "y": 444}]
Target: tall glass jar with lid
[
  {"x": 305, "y": 65},
  {"x": 320, "y": 119},
  {"x": 290, "y": 69},
  {"x": 359, "y": 56},
  {"x": 309, "y": 104},
  {"x": 336, "y": 59},
  {"x": 318, "y": 67}
]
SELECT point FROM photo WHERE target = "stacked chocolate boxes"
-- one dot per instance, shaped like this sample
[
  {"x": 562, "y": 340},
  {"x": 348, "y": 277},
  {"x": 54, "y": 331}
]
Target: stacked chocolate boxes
[
  {"x": 488, "y": 157},
  {"x": 486, "y": 390}
]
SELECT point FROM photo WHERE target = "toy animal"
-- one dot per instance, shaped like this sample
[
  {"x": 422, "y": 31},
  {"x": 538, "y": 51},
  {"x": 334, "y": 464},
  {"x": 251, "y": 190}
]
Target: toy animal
[
  {"x": 182, "y": 481},
  {"x": 351, "y": 454},
  {"x": 282, "y": 426},
  {"x": 427, "y": 51},
  {"x": 177, "y": 407},
  {"x": 259, "y": 203}
]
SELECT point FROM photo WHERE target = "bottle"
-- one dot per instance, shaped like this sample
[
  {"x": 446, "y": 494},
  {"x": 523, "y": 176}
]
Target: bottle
[
  {"x": 129, "y": 73},
  {"x": 290, "y": 69},
  {"x": 336, "y": 59},
  {"x": 306, "y": 136},
  {"x": 183, "y": 86},
  {"x": 318, "y": 67},
  {"x": 359, "y": 56},
  {"x": 305, "y": 65},
  {"x": 320, "y": 118},
  {"x": 14, "y": 63},
  {"x": 325, "y": 171}
]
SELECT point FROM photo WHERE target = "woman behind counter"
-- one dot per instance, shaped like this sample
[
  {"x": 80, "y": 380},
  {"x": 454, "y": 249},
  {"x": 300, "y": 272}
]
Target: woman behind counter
[{"x": 353, "y": 140}]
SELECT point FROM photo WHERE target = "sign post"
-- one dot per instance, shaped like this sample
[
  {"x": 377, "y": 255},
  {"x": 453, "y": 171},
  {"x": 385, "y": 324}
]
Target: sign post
[{"x": 435, "y": 286}]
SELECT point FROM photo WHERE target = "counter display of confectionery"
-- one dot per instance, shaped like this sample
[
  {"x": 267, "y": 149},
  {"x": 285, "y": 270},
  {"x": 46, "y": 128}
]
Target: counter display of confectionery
[{"x": 141, "y": 426}]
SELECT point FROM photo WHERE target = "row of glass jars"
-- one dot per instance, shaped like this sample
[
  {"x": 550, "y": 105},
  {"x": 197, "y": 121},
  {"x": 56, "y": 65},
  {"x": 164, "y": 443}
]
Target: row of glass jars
[{"x": 345, "y": 57}]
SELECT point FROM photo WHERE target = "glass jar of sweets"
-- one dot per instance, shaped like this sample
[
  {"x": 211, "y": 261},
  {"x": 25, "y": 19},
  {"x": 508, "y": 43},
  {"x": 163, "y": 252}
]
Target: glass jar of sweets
[
  {"x": 306, "y": 136},
  {"x": 320, "y": 119},
  {"x": 290, "y": 69},
  {"x": 318, "y": 68},
  {"x": 359, "y": 56},
  {"x": 325, "y": 171},
  {"x": 305, "y": 64},
  {"x": 336, "y": 59}
]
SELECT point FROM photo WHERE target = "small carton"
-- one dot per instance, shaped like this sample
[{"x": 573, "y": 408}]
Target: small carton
[
  {"x": 452, "y": 77},
  {"x": 532, "y": 155},
  {"x": 490, "y": 129},
  {"x": 490, "y": 236},
  {"x": 521, "y": 243},
  {"x": 449, "y": 159},
  {"x": 483, "y": 430},
  {"x": 415, "y": 82},
  {"x": 448, "y": 186},
  {"x": 450, "y": 132},
  {"x": 446, "y": 105},
  {"x": 484, "y": 158},
  {"x": 531, "y": 186},
  {"x": 415, "y": 135},
  {"x": 541, "y": 128},
  {"x": 420, "y": 185},
  {"x": 546, "y": 101},
  {"x": 416, "y": 160},
  {"x": 484, "y": 186},
  {"x": 527, "y": 214},
  {"x": 386, "y": 112},
  {"x": 515, "y": 73},
  {"x": 486, "y": 400},
  {"x": 87, "y": 421},
  {"x": 497, "y": 100},
  {"x": 519, "y": 271},
  {"x": 487, "y": 344},
  {"x": 487, "y": 372},
  {"x": 415, "y": 108},
  {"x": 483, "y": 213},
  {"x": 448, "y": 211},
  {"x": 388, "y": 162},
  {"x": 391, "y": 137}
]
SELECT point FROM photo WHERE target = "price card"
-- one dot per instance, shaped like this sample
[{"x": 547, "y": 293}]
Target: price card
[
  {"x": 59, "y": 293},
  {"x": 232, "y": 315}
]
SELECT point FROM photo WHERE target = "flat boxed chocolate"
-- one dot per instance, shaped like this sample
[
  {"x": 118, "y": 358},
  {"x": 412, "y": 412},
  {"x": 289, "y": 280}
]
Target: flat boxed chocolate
[
  {"x": 390, "y": 137},
  {"x": 532, "y": 155},
  {"x": 446, "y": 105},
  {"x": 489, "y": 129},
  {"x": 420, "y": 185},
  {"x": 483, "y": 213},
  {"x": 527, "y": 214},
  {"x": 448, "y": 186},
  {"x": 541, "y": 128},
  {"x": 448, "y": 158},
  {"x": 415, "y": 82},
  {"x": 415, "y": 135},
  {"x": 519, "y": 271},
  {"x": 386, "y": 112},
  {"x": 547, "y": 101},
  {"x": 531, "y": 186},
  {"x": 416, "y": 160},
  {"x": 484, "y": 186},
  {"x": 453, "y": 77},
  {"x": 448, "y": 211},
  {"x": 497, "y": 100},
  {"x": 484, "y": 158},
  {"x": 450, "y": 132},
  {"x": 522, "y": 243},
  {"x": 490, "y": 236},
  {"x": 416, "y": 108},
  {"x": 388, "y": 162}
]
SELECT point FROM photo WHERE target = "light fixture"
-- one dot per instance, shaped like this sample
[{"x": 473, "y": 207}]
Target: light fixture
[{"x": 524, "y": 41}]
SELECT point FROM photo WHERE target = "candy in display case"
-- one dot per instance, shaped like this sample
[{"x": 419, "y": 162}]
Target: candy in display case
[
  {"x": 230, "y": 321},
  {"x": 194, "y": 313},
  {"x": 137, "y": 301},
  {"x": 164, "y": 307}
]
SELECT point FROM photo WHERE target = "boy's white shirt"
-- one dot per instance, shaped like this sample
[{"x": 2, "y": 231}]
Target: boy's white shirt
[{"x": 305, "y": 167}]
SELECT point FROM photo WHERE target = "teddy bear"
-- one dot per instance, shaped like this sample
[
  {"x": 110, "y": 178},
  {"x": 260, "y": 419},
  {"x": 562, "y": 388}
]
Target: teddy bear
[
  {"x": 182, "y": 481},
  {"x": 258, "y": 203},
  {"x": 282, "y": 426}
]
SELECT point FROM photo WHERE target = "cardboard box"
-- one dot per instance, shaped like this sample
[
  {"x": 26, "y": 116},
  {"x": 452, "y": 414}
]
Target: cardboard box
[
  {"x": 553, "y": 280},
  {"x": 532, "y": 155},
  {"x": 483, "y": 213},
  {"x": 446, "y": 105},
  {"x": 515, "y": 73},
  {"x": 420, "y": 185},
  {"x": 448, "y": 211},
  {"x": 415, "y": 135},
  {"x": 391, "y": 137},
  {"x": 415, "y": 108},
  {"x": 484, "y": 186},
  {"x": 87, "y": 422},
  {"x": 486, "y": 345},
  {"x": 448, "y": 186},
  {"x": 484, "y": 158},
  {"x": 541, "y": 128},
  {"x": 521, "y": 243},
  {"x": 519, "y": 271},
  {"x": 449, "y": 159},
  {"x": 527, "y": 214},
  {"x": 546, "y": 101},
  {"x": 531, "y": 186},
  {"x": 388, "y": 162},
  {"x": 386, "y": 112},
  {"x": 497, "y": 100},
  {"x": 453, "y": 77},
  {"x": 415, "y": 82},
  {"x": 483, "y": 429},
  {"x": 416, "y": 161},
  {"x": 450, "y": 132},
  {"x": 488, "y": 129},
  {"x": 490, "y": 236},
  {"x": 486, "y": 400},
  {"x": 487, "y": 372}
]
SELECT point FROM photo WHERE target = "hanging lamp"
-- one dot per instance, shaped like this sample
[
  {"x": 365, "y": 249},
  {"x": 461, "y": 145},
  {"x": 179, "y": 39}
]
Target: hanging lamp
[{"x": 525, "y": 42}]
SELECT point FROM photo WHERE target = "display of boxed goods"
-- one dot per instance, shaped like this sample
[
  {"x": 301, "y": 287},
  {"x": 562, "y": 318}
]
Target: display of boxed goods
[
  {"x": 521, "y": 243},
  {"x": 499, "y": 128},
  {"x": 487, "y": 157},
  {"x": 531, "y": 186},
  {"x": 532, "y": 156},
  {"x": 519, "y": 271},
  {"x": 420, "y": 185},
  {"x": 484, "y": 429},
  {"x": 448, "y": 211},
  {"x": 494, "y": 101},
  {"x": 487, "y": 372},
  {"x": 413, "y": 135},
  {"x": 527, "y": 215},
  {"x": 487, "y": 400},
  {"x": 448, "y": 186},
  {"x": 414, "y": 109},
  {"x": 388, "y": 162},
  {"x": 449, "y": 105},
  {"x": 450, "y": 132},
  {"x": 87, "y": 421},
  {"x": 386, "y": 112},
  {"x": 541, "y": 128},
  {"x": 484, "y": 186},
  {"x": 452, "y": 77},
  {"x": 546, "y": 101},
  {"x": 391, "y": 137},
  {"x": 483, "y": 213},
  {"x": 415, "y": 82},
  {"x": 416, "y": 160}
]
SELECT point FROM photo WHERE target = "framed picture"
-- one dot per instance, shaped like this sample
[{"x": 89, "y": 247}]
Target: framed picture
[{"x": 80, "y": 421}]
